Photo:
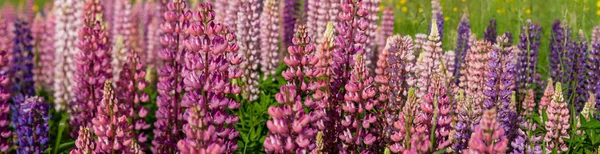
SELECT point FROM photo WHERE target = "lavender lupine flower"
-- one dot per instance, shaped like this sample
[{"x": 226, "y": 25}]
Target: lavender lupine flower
[
  {"x": 30, "y": 116},
  {"x": 210, "y": 64},
  {"x": 22, "y": 60},
  {"x": 420, "y": 40},
  {"x": 131, "y": 95},
  {"x": 529, "y": 44},
  {"x": 557, "y": 125},
  {"x": 488, "y": 136},
  {"x": 404, "y": 129},
  {"x": 169, "y": 117},
  {"x": 526, "y": 141},
  {"x": 462, "y": 46},
  {"x": 559, "y": 53},
  {"x": 230, "y": 16},
  {"x": 371, "y": 20},
  {"x": 5, "y": 132},
  {"x": 399, "y": 51},
  {"x": 319, "y": 13},
  {"x": 360, "y": 132},
  {"x": 300, "y": 62},
  {"x": 448, "y": 61},
  {"x": 110, "y": 124},
  {"x": 247, "y": 34},
  {"x": 65, "y": 37},
  {"x": 593, "y": 61},
  {"x": 125, "y": 27},
  {"x": 269, "y": 36},
  {"x": 437, "y": 14},
  {"x": 349, "y": 41},
  {"x": 467, "y": 114},
  {"x": 93, "y": 69},
  {"x": 431, "y": 61},
  {"x": 152, "y": 35},
  {"x": 386, "y": 29},
  {"x": 579, "y": 75},
  {"x": 85, "y": 142},
  {"x": 46, "y": 50},
  {"x": 490, "y": 34}
]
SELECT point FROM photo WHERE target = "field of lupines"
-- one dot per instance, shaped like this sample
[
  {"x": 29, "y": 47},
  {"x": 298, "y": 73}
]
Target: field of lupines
[{"x": 299, "y": 76}]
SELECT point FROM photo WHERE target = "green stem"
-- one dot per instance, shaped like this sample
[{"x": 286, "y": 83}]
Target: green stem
[{"x": 61, "y": 127}]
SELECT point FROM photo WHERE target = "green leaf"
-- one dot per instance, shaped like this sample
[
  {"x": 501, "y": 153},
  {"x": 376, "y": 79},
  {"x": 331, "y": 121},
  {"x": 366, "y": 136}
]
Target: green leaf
[{"x": 61, "y": 128}]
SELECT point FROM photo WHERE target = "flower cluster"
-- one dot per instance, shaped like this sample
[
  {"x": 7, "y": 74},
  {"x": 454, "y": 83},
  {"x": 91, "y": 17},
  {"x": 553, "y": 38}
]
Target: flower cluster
[
  {"x": 247, "y": 34},
  {"x": 558, "y": 122},
  {"x": 110, "y": 124},
  {"x": 488, "y": 136},
  {"x": 22, "y": 61},
  {"x": 65, "y": 45},
  {"x": 30, "y": 118},
  {"x": 269, "y": 19},
  {"x": 5, "y": 132},
  {"x": 490, "y": 34},
  {"x": 529, "y": 45},
  {"x": 462, "y": 45}
]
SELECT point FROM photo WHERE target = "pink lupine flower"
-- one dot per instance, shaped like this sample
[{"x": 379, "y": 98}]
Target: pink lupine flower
[
  {"x": 404, "y": 129},
  {"x": 85, "y": 142},
  {"x": 475, "y": 69},
  {"x": 547, "y": 97},
  {"x": 247, "y": 34},
  {"x": 110, "y": 124},
  {"x": 371, "y": 20},
  {"x": 124, "y": 26},
  {"x": 5, "y": 96},
  {"x": 431, "y": 60},
  {"x": 269, "y": 36},
  {"x": 488, "y": 137},
  {"x": 557, "y": 125},
  {"x": 319, "y": 14},
  {"x": 387, "y": 27}
]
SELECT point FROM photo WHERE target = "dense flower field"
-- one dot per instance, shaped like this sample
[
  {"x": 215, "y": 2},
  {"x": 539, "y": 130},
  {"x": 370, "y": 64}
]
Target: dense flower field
[{"x": 290, "y": 76}]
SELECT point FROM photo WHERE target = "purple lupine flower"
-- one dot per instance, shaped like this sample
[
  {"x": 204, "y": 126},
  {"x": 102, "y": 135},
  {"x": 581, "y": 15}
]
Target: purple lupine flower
[
  {"x": 430, "y": 60},
  {"x": 371, "y": 20},
  {"x": 402, "y": 134},
  {"x": 579, "y": 75},
  {"x": 169, "y": 116},
  {"x": 559, "y": 52},
  {"x": 152, "y": 34},
  {"x": 210, "y": 64},
  {"x": 85, "y": 142},
  {"x": 131, "y": 95},
  {"x": 269, "y": 36},
  {"x": 30, "y": 116},
  {"x": 557, "y": 125},
  {"x": 593, "y": 61},
  {"x": 462, "y": 46},
  {"x": 386, "y": 29},
  {"x": 490, "y": 34},
  {"x": 110, "y": 124},
  {"x": 247, "y": 34},
  {"x": 441, "y": 112},
  {"x": 529, "y": 44},
  {"x": 125, "y": 27},
  {"x": 400, "y": 52},
  {"x": 488, "y": 136},
  {"x": 526, "y": 141},
  {"x": 289, "y": 17},
  {"x": 467, "y": 116},
  {"x": 93, "y": 69},
  {"x": 360, "y": 131},
  {"x": 438, "y": 14},
  {"x": 5, "y": 132},
  {"x": 66, "y": 39},
  {"x": 22, "y": 60}
]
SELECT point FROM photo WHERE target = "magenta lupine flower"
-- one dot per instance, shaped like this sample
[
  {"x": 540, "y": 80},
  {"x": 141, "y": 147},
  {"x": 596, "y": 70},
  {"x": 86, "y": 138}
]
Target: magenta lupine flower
[
  {"x": 398, "y": 51},
  {"x": 359, "y": 131},
  {"x": 85, "y": 142},
  {"x": 247, "y": 34},
  {"x": 93, "y": 69},
  {"x": 401, "y": 136},
  {"x": 430, "y": 62},
  {"x": 442, "y": 110},
  {"x": 420, "y": 139},
  {"x": 5, "y": 96},
  {"x": 371, "y": 20},
  {"x": 65, "y": 41},
  {"x": 131, "y": 95},
  {"x": 110, "y": 124},
  {"x": 269, "y": 38},
  {"x": 125, "y": 27},
  {"x": 169, "y": 116},
  {"x": 387, "y": 27},
  {"x": 152, "y": 33},
  {"x": 557, "y": 125},
  {"x": 210, "y": 64},
  {"x": 488, "y": 136}
]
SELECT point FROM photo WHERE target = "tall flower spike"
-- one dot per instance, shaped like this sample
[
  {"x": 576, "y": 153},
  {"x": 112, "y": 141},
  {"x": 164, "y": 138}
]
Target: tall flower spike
[
  {"x": 210, "y": 64},
  {"x": 403, "y": 132},
  {"x": 399, "y": 50},
  {"x": 124, "y": 26},
  {"x": 153, "y": 46},
  {"x": 247, "y": 34},
  {"x": 30, "y": 119},
  {"x": 93, "y": 69},
  {"x": 578, "y": 88},
  {"x": 5, "y": 132},
  {"x": 560, "y": 56},
  {"x": 37, "y": 29},
  {"x": 547, "y": 97},
  {"x": 526, "y": 140},
  {"x": 110, "y": 124},
  {"x": 65, "y": 41},
  {"x": 382, "y": 79},
  {"x": 371, "y": 20},
  {"x": 131, "y": 94},
  {"x": 290, "y": 10},
  {"x": 85, "y": 142},
  {"x": 319, "y": 14},
  {"x": 437, "y": 14},
  {"x": 593, "y": 61},
  {"x": 490, "y": 34},
  {"x": 529, "y": 45},
  {"x": 557, "y": 125},
  {"x": 442, "y": 108},
  {"x": 269, "y": 19},
  {"x": 360, "y": 132},
  {"x": 475, "y": 72},
  {"x": 467, "y": 115},
  {"x": 386, "y": 29},
  {"x": 423, "y": 122},
  {"x": 431, "y": 61},
  {"x": 462, "y": 46},
  {"x": 589, "y": 108},
  {"x": 488, "y": 136},
  {"x": 22, "y": 61}
]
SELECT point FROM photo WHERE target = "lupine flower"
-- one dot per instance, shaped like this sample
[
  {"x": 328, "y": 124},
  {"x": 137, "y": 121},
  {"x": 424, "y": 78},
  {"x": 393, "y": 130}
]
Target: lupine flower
[
  {"x": 420, "y": 138},
  {"x": 123, "y": 26},
  {"x": 448, "y": 61},
  {"x": 5, "y": 132},
  {"x": 462, "y": 46},
  {"x": 22, "y": 60},
  {"x": 37, "y": 30},
  {"x": 30, "y": 116},
  {"x": 559, "y": 52},
  {"x": 207, "y": 82},
  {"x": 398, "y": 62},
  {"x": 431, "y": 61},
  {"x": 359, "y": 132},
  {"x": 371, "y": 20},
  {"x": 488, "y": 136},
  {"x": 110, "y": 124},
  {"x": 589, "y": 107},
  {"x": 169, "y": 116},
  {"x": 247, "y": 34},
  {"x": 152, "y": 34},
  {"x": 66, "y": 39},
  {"x": 529, "y": 45},
  {"x": 326, "y": 111},
  {"x": 386, "y": 29},
  {"x": 593, "y": 61},
  {"x": 475, "y": 72},
  {"x": 441, "y": 111},
  {"x": 5, "y": 42},
  {"x": 319, "y": 14},
  {"x": 547, "y": 97},
  {"x": 131, "y": 95},
  {"x": 490, "y": 32},
  {"x": 438, "y": 14},
  {"x": 233, "y": 8},
  {"x": 289, "y": 17},
  {"x": 526, "y": 140},
  {"x": 93, "y": 69},
  {"x": 419, "y": 44},
  {"x": 269, "y": 37},
  {"x": 85, "y": 142},
  {"x": 46, "y": 54},
  {"x": 467, "y": 115},
  {"x": 404, "y": 129},
  {"x": 557, "y": 125},
  {"x": 579, "y": 75}
]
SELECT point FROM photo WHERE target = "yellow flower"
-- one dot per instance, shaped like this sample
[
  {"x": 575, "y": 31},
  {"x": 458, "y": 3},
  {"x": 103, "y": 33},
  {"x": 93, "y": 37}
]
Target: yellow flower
[
  {"x": 35, "y": 8},
  {"x": 404, "y": 9},
  {"x": 420, "y": 9},
  {"x": 598, "y": 12},
  {"x": 446, "y": 18},
  {"x": 381, "y": 8},
  {"x": 397, "y": 6},
  {"x": 528, "y": 11},
  {"x": 598, "y": 4},
  {"x": 585, "y": 9},
  {"x": 415, "y": 21},
  {"x": 464, "y": 0},
  {"x": 454, "y": 9},
  {"x": 402, "y": 2},
  {"x": 498, "y": 11}
]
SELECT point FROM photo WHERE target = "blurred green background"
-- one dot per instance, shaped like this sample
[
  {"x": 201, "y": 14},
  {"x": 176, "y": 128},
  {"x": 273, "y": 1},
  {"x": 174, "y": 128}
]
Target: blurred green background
[{"x": 412, "y": 16}]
